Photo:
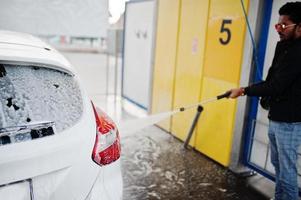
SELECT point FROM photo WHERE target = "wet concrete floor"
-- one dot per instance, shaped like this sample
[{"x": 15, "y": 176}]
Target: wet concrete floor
[{"x": 156, "y": 166}]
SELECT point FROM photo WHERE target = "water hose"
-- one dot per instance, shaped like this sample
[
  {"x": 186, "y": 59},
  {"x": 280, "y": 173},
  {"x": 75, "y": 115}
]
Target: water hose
[{"x": 255, "y": 58}]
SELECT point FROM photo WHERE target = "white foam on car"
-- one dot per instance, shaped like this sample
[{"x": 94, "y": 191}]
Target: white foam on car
[{"x": 40, "y": 94}]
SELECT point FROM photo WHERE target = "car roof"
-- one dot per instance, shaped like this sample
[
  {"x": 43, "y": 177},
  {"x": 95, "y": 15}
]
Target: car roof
[{"x": 21, "y": 48}]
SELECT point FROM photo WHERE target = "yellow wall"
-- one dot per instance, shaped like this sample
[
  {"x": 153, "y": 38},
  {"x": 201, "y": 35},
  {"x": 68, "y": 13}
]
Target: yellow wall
[
  {"x": 165, "y": 58},
  {"x": 222, "y": 67},
  {"x": 190, "y": 55},
  {"x": 196, "y": 59}
]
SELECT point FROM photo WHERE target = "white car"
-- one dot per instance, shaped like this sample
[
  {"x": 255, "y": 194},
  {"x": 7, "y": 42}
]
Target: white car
[{"x": 54, "y": 144}]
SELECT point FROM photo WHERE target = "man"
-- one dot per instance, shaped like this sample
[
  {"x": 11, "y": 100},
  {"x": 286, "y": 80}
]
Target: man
[{"x": 283, "y": 86}]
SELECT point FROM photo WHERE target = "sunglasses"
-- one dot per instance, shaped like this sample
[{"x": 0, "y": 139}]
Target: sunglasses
[{"x": 281, "y": 27}]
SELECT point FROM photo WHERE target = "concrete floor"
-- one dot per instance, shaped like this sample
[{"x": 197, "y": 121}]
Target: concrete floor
[
  {"x": 154, "y": 163},
  {"x": 156, "y": 166}
]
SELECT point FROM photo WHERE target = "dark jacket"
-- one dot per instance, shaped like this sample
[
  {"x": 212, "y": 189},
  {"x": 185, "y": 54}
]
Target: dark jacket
[{"x": 283, "y": 83}]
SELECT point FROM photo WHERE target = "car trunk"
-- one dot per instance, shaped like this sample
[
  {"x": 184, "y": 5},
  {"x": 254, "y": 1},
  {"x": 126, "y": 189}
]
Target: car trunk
[{"x": 34, "y": 164}]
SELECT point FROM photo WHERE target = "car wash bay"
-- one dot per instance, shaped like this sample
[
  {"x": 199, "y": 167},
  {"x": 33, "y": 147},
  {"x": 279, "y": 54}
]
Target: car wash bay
[
  {"x": 201, "y": 49},
  {"x": 193, "y": 50},
  {"x": 154, "y": 163}
]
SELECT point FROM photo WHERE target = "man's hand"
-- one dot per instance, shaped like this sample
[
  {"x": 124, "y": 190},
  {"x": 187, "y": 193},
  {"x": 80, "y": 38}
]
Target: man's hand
[{"x": 236, "y": 92}]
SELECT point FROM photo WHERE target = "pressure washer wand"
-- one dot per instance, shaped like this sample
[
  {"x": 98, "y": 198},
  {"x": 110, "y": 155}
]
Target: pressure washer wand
[
  {"x": 225, "y": 95},
  {"x": 199, "y": 111}
]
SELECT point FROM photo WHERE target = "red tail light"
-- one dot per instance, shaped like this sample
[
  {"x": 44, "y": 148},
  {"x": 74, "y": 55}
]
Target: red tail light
[{"x": 107, "y": 143}]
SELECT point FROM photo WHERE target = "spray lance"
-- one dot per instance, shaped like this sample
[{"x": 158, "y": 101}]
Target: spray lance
[
  {"x": 130, "y": 126},
  {"x": 225, "y": 95}
]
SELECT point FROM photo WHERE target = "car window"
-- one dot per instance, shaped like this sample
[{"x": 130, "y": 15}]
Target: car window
[{"x": 30, "y": 94}]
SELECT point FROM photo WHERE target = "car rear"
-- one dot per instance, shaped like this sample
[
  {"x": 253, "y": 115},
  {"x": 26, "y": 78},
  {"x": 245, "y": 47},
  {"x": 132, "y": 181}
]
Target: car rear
[{"x": 54, "y": 144}]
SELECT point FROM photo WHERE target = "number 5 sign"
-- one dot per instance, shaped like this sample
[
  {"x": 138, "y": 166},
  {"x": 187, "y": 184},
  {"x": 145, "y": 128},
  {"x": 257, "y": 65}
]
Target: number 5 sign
[
  {"x": 225, "y": 30},
  {"x": 225, "y": 40}
]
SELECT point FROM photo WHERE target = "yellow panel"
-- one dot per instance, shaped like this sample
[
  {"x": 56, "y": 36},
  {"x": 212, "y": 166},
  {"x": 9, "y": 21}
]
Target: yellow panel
[
  {"x": 193, "y": 23},
  {"x": 223, "y": 60},
  {"x": 222, "y": 68},
  {"x": 165, "y": 58},
  {"x": 214, "y": 133}
]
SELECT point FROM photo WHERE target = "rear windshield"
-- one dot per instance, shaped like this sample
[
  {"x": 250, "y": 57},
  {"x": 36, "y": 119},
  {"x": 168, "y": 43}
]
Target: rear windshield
[{"x": 30, "y": 94}]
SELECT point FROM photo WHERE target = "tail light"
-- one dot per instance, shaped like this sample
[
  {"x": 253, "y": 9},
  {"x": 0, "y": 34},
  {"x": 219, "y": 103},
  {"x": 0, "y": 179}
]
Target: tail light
[{"x": 107, "y": 143}]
